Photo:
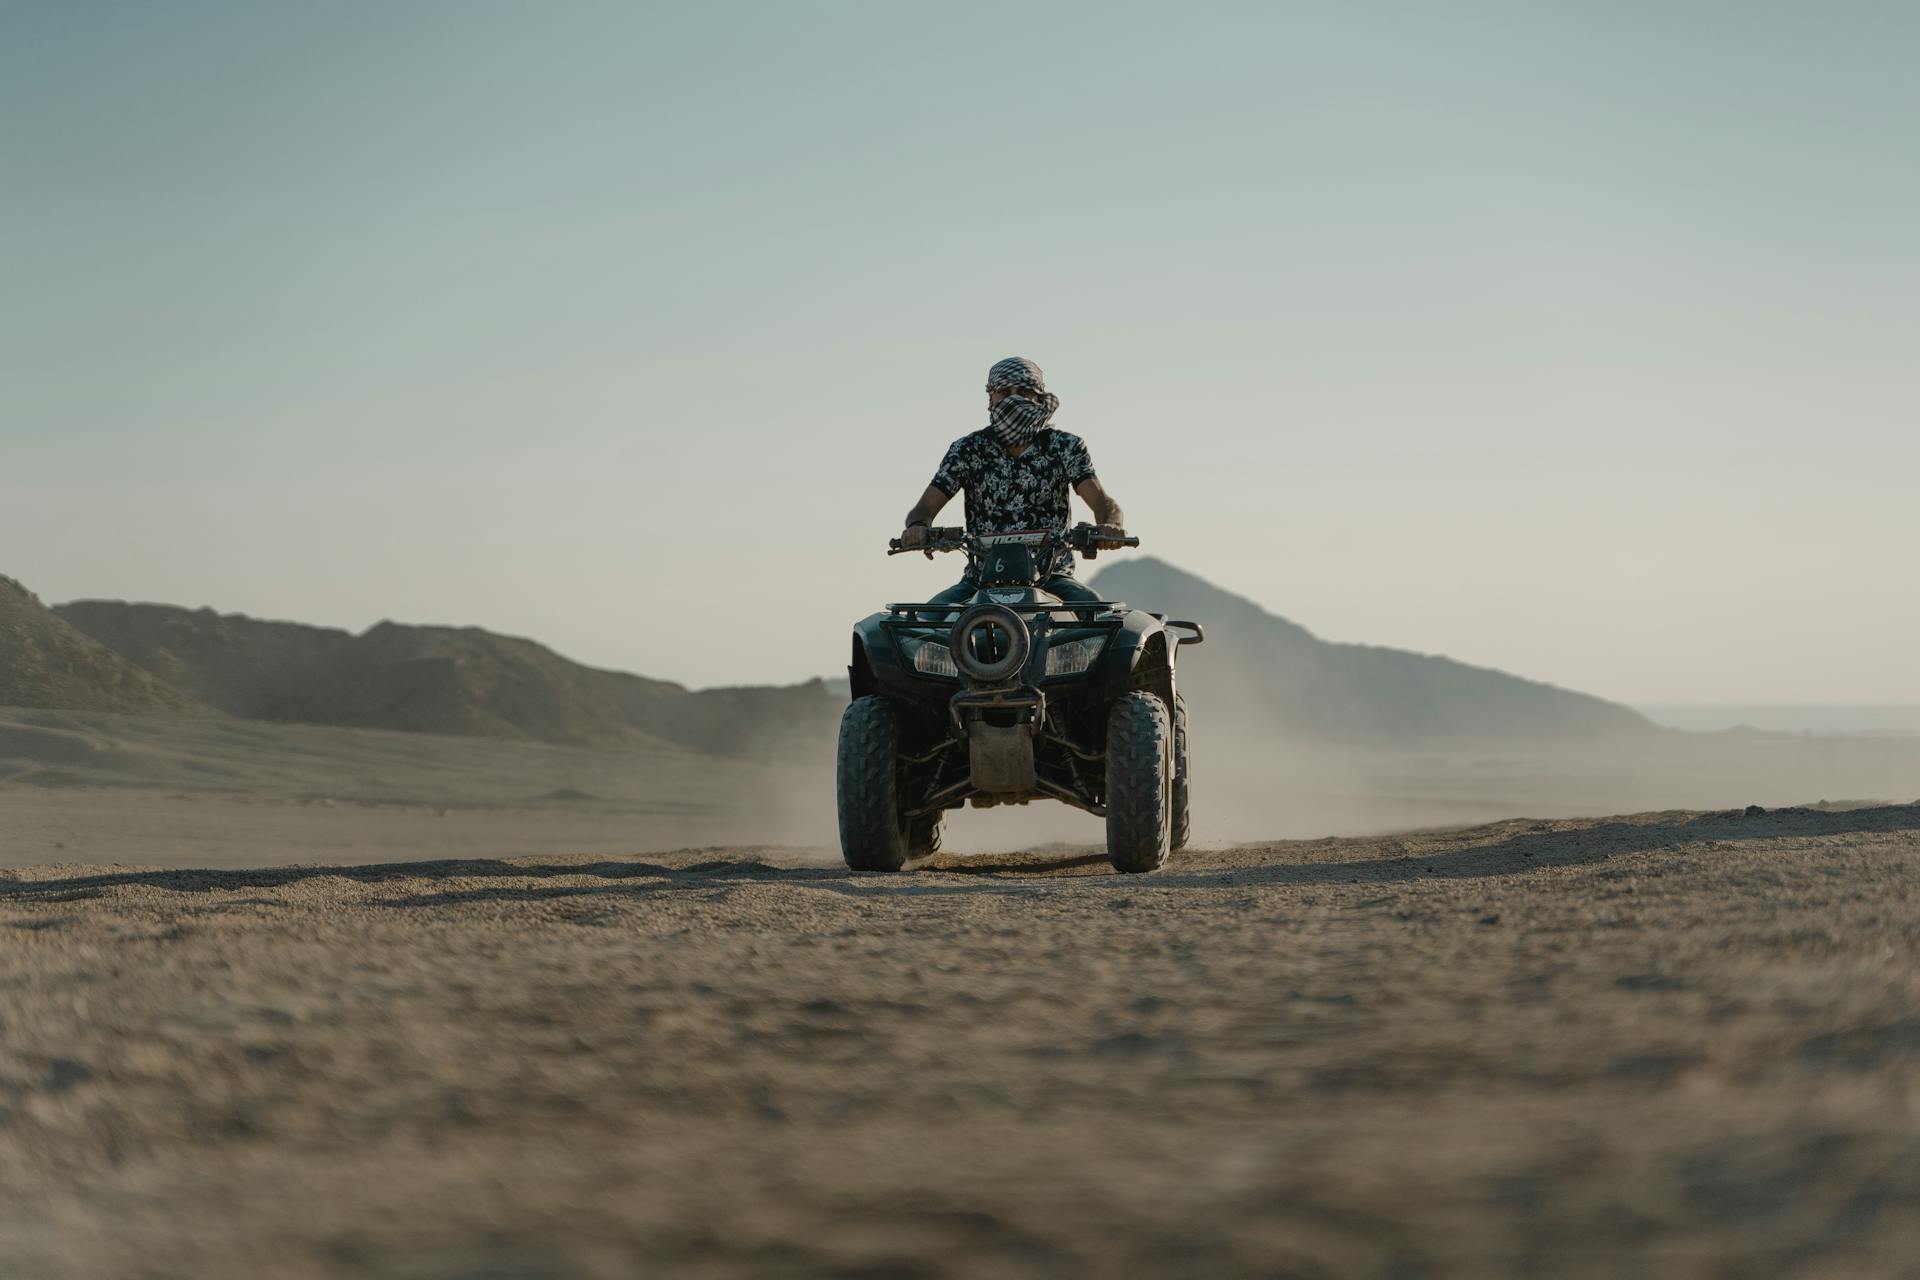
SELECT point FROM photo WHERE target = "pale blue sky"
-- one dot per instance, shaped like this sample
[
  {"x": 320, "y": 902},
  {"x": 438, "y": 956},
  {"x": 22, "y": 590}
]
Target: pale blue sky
[{"x": 1577, "y": 340}]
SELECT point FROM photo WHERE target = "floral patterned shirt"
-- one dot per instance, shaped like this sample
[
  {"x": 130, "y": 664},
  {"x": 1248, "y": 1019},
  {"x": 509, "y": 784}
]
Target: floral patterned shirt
[{"x": 1005, "y": 493}]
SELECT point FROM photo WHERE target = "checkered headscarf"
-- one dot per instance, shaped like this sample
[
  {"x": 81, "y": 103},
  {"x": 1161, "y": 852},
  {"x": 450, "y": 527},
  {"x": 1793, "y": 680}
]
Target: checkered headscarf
[{"x": 1020, "y": 417}]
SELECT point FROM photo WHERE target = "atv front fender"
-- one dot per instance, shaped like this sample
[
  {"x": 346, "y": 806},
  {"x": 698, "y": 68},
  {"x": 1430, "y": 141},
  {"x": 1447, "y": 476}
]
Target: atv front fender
[{"x": 1140, "y": 656}]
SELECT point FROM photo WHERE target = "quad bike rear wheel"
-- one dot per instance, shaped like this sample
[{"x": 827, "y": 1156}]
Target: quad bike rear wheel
[
  {"x": 923, "y": 836},
  {"x": 1182, "y": 771},
  {"x": 1139, "y": 783},
  {"x": 873, "y": 837}
]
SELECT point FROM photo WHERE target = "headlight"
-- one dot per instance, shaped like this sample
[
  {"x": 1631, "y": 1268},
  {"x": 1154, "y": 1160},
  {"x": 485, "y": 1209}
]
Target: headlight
[
  {"x": 1071, "y": 657},
  {"x": 930, "y": 657}
]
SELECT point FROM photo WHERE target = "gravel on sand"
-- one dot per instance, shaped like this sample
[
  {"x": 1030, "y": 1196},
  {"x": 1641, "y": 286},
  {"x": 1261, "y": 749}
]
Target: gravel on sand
[{"x": 1670, "y": 1044}]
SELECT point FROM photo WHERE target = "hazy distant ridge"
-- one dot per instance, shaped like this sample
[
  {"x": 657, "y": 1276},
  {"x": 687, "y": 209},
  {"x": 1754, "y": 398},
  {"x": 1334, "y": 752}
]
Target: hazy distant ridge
[
  {"x": 239, "y": 664},
  {"x": 455, "y": 680},
  {"x": 1259, "y": 677},
  {"x": 44, "y": 662},
  {"x": 1263, "y": 675}
]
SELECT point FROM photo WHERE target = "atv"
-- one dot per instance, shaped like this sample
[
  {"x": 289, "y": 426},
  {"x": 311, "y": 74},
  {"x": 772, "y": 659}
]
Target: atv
[{"x": 1012, "y": 695}]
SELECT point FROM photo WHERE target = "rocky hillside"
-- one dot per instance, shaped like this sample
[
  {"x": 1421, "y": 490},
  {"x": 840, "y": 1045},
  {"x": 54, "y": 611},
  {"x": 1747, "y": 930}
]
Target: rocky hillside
[
  {"x": 44, "y": 662},
  {"x": 1258, "y": 676},
  {"x": 458, "y": 680},
  {"x": 1261, "y": 674},
  {"x": 239, "y": 664},
  {"x": 469, "y": 681}
]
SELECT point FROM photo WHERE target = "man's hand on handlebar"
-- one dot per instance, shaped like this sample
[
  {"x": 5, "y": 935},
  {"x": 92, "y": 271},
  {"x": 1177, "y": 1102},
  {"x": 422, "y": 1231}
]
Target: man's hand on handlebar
[
  {"x": 918, "y": 537},
  {"x": 1091, "y": 539}
]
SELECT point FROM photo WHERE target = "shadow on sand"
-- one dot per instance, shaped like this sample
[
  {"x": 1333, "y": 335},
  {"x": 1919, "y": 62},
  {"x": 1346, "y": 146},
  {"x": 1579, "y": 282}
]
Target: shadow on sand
[{"x": 1481, "y": 852}]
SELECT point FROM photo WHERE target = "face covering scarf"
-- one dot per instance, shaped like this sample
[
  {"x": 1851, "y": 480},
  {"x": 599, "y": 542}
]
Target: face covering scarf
[{"x": 1020, "y": 417}]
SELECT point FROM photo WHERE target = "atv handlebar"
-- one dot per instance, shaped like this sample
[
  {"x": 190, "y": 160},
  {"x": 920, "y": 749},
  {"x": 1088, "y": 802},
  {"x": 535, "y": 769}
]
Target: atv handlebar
[
  {"x": 1088, "y": 541},
  {"x": 1084, "y": 538},
  {"x": 939, "y": 538}
]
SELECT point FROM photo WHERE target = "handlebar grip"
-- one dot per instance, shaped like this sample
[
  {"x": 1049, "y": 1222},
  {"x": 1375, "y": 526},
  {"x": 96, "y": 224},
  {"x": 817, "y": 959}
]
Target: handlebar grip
[{"x": 939, "y": 538}]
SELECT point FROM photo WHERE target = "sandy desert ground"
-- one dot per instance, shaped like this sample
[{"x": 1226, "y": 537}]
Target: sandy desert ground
[{"x": 1675, "y": 1044}]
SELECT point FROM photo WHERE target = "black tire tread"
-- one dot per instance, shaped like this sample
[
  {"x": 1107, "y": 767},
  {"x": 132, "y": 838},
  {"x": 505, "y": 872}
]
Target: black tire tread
[
  {"x": 872, "y": 837},
  {"x": 1139, "y": 757},
  {"x": 1183, "y": 770},
  {"x": 923, "y": 836}
]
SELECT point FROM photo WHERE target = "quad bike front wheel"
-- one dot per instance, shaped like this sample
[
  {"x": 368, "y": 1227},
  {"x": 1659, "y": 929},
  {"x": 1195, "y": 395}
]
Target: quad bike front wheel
[
  {"x": 872, "y": 835},
  {"x": 1139, "y": 783}
]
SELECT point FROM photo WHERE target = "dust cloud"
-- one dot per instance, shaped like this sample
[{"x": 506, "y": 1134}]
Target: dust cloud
[{"x": 1248, "y": 788}]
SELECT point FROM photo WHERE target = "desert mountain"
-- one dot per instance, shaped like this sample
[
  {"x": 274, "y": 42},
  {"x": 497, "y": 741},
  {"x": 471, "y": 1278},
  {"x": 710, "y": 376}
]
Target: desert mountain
[
  {"x": 1259, "y": 676},
  {"x": 230, "y": 661},
  {"x": 458, "y": 680},
  {"x": 44, "y": 662},
  {"x": 1262, "y": 675}
]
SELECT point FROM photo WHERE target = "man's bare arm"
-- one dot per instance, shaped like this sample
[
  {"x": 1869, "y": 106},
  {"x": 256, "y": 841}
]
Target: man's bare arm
[
  {"x": 915, "y": 534},
  {"x": 1106, "y": 512},
  {"x": 928, "y": 507}
]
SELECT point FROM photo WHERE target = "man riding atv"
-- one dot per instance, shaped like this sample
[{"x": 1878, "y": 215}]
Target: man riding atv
[
  {"x": 1016, "y": 471},
  {"x": 1017, "y": 683}
]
